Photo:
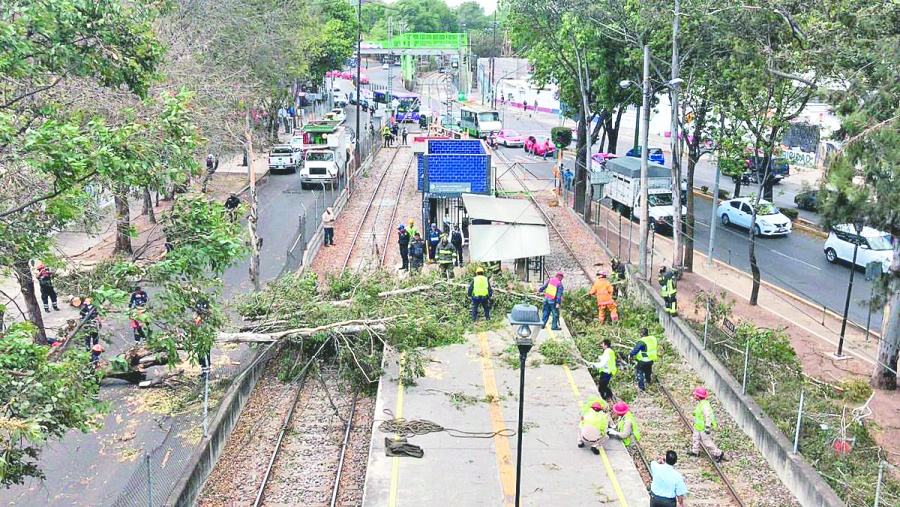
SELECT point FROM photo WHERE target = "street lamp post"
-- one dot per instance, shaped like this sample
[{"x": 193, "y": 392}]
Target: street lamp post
[
  {"x": 358, "y": 83},
  {"x": 858, "y": 227},
  {"x": 523, "y": 316}
]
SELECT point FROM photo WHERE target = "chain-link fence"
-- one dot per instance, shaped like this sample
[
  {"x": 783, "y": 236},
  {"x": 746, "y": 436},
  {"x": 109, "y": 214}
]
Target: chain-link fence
[{"x": 161, "y": 467}]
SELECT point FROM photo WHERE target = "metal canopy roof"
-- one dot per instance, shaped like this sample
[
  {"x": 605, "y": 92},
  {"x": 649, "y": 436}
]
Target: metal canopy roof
[
  {"x": 631, "y": 167},
  {"x": 488, "y": 243},
  {"x": 509, "y": 211}
]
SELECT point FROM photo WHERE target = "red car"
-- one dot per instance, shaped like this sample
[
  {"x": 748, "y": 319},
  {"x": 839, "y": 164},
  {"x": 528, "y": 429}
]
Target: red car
[
  {"x": 509, "y": 138},
  {"x": 540, "y": 146}
]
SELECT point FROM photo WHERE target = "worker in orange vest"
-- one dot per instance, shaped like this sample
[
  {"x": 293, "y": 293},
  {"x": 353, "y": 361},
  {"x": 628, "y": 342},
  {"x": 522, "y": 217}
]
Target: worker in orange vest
[{"x": 603, "y": 289}]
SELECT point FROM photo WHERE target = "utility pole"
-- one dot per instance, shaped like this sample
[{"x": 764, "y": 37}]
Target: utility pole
[
  {"x": 253, "y": 218},
  {"x": 390, "y": 89},
  {"x": 493, "y": 52},
  {"x": 645, "y": 127},
  {"x": 715, "y": 198},
  {"x": 358, "y": 83},
  {"x": 677, "y": 239}
]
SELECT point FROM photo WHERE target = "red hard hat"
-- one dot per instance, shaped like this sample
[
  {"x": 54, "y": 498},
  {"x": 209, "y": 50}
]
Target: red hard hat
[
  {"x": 700, "y": 393},
  {"x": 97, "y": 348},
  {"x": 620, "y": 408},
  {"x": 559, "y": 274},
  {"x": 597, "y": 406}
]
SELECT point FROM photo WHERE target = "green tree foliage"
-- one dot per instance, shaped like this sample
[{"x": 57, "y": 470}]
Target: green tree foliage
[{"x": 42, "y": 399}]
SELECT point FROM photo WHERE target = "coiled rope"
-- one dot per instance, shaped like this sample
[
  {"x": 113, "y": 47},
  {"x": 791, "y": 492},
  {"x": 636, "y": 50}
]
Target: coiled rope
[{"x": 404, "y": 428}]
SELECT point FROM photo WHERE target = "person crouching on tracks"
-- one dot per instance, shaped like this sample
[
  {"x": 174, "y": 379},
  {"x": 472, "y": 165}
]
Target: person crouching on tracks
[
  {"x": 605, "y": 302},
  {"x": 552, "y": 291},
  {"x": 626, "y": 427},
  {"x": 416, "y": 253},
  {"x": 646, "y": 353},
  {"x": 704, "y": 423},
  {"x": 446, "y": 254},
  {"x": 593, "y": 426},
  {"x": 481, "y": 292}
]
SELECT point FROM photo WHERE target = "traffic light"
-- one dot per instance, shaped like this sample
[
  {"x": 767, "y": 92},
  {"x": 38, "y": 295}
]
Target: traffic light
[{"x": 562, "y": 136}]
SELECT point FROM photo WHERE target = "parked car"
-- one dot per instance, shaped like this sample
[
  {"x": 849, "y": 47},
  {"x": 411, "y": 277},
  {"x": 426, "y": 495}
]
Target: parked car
[
  {"x": 874, "y": 246},
  {"x": 337, "y": 114},
  {"x": 539, "y": 146},
  {"x": 654, "y": 155},
  {"x": 385, "y": 66},
  {"x": 598, "y": 160},
  {"x": 769, "y": 220},
  {"x": 807, "y": 200},
  {"x": 510, "y": 138},
  {"x": 283, "y": 158}
]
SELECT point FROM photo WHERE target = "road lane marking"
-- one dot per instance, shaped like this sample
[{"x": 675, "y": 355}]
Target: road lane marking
[
  {"x": 501, "y": 443},
  {"x": 817, "y": 268},
  {"x": 398, "y": 413}
]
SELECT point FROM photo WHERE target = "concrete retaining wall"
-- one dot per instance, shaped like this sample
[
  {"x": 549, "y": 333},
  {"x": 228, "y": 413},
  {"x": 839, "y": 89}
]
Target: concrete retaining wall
[
  {"x": 204, "y": 459},
  {"x": 799, "y": 476}
]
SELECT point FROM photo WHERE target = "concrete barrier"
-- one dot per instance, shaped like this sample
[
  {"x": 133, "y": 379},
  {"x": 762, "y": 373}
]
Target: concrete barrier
[
  {"x": 799, "y": 476},
  {"x": 204, "y": 458}
]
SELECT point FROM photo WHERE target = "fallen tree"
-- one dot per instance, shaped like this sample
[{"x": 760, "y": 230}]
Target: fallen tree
[{"x": 345, "y": 327}]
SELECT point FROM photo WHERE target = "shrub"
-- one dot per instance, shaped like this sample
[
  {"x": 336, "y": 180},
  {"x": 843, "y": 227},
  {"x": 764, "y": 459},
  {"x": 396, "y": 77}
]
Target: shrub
[{"x": 791, "y": 213}]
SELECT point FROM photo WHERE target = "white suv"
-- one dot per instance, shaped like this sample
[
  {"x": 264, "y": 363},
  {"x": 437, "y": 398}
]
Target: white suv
[{"x": 874, "y": 245}]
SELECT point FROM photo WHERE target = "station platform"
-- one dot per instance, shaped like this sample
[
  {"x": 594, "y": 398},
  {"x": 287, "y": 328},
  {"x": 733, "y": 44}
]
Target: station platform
[{"x": 470, "y": 387}]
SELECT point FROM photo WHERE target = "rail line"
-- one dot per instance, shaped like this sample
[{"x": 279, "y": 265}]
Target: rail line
[
  {"x": 337, "y": 478},
  {"x": 669, "y": 398},
  {"x": 387, "y": 237},
  {"x": 362, "y": 221}
]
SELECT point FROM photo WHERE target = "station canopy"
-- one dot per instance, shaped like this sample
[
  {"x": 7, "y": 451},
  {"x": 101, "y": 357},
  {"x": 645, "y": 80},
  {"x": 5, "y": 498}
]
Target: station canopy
[{"x": 517, "y": 231}]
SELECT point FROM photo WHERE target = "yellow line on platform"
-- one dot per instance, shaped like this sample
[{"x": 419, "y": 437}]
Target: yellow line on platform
[
  {"x": 398, "y": 413},
  {"x": 609, "y": 470},
  {"x": 501, "y": 443}
]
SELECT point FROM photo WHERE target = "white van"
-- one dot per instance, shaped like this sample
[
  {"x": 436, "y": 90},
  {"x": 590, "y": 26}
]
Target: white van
[{"x": 874, "y": 246}]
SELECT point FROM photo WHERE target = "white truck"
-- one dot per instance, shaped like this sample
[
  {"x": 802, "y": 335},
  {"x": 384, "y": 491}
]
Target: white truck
[
  {"x": 283, "y": 158},
  {"x": 325, "y": 165},
  {"x": 624, "y": 190}
]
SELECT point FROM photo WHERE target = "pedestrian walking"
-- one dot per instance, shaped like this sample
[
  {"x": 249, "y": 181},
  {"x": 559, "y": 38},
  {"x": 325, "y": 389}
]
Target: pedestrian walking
[
  {"x": 446, "y": 254},
  {"x": 416, "y": 253},
  {"x": 602, "y": 289},
  {"x": 502, "y": 99},
  {"x": 626, "y": 427},
  {"x": 456, "y": 239},
  {"x": 411, "y": 228},
  {"x": 618, "y": 277},
  {"x": 667, "y": 488},
  {"x": 535, "y": 106},
  {"x": 138, "y": 298},
  {"x": 668, "y": 290},
  {"x": 593, "y": 426},
  {"x": 481, "y": 292},
  {"x": 434, "y": 236},
  {"x": 645, "y": 351},
  {"x": 45, "y": 283},
  {"x": 328, "y": 219},
  {"x": 282, "y": 119},
  {"x": 552, "y": 291},
  {"x": 90, "y": 323},
  {"x": 403, "y": 243},
  {"x": 704, "y": 423},
  {"x": 607, "y": 368},
  {"x": 404, "y": 134}
]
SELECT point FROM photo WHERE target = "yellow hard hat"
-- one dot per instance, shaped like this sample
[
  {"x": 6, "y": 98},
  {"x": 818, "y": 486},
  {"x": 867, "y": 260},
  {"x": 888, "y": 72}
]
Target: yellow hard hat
[{"x": 479, "y": 270}]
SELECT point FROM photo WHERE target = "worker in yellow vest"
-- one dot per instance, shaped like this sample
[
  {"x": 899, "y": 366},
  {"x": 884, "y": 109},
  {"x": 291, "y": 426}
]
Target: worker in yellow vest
[
  {"x": 607, "y": 368},
  {"x": 593, "y": 426},
  {"x": 704, "y": 423},
  {"x": 626, "y": 427},
  {"x": 481, "y": 293},
  {"x": 668, "y": 290},
  {"x": 645, "y": 352}
]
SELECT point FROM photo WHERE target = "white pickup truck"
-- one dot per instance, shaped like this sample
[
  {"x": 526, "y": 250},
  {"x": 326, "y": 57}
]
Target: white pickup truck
[{"x": 283, "y": 158}]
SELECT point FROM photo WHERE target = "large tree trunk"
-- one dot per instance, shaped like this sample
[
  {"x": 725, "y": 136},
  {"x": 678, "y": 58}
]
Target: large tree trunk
[
  {"x": 884, "y": 376},
  {"x": 123, "y": 222},
  {"x": 148, "y": 206},
  {"x": 26, "y": 285},
  {"x": 612, "y": 130},
  {"x": 693, "y": 157},
  {"x": 580, "y": 163}
]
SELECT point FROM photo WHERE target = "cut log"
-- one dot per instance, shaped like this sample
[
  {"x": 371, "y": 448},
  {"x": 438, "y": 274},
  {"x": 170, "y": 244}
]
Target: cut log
[
  {"x": 162, "y": 379},
  {"x": 345, "y": 327}
]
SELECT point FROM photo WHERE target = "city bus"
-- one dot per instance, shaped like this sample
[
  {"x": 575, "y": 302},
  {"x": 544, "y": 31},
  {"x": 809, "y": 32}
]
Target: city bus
[
  {"x": 479, "y": 122},
  {"x": 406, "y": 103}
]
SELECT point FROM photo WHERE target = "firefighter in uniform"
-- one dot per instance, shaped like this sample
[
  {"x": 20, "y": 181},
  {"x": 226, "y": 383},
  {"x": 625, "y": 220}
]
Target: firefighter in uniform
[
  {"x": 626, "y": 427},
  {"x": 446, "y": 254},
  {"x": 646, "y": 353},
  {"x": 603, "y": 290},
  {"x": 668, "y": 290},
  {"x": 481, "y": 292}
]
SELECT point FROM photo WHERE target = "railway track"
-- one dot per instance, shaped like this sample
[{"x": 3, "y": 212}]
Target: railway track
[
  {"x": 705, "y": 478},
  {"x": 367, "y": 247}
]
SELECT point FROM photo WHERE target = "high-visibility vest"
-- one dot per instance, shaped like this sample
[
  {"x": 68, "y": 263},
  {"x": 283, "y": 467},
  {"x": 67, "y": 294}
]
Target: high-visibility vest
[
  {"x": 586, "y": 406},
  {"x": 611, "y": 367},
  {"x": 480, "y": 286},
  {"x": 603, "y": 290},
  {"x": 552, "y": 288},
  {"x": 651, "y": 343},
  {"x": 596, "y": 420},
  {"x": 412, "y": 231},
  {"x": 445, "y": 254},
  {"x": 699, "y": 422},
  {"x": 667, "y": 285},
  {"x": 635, "y": 432}
]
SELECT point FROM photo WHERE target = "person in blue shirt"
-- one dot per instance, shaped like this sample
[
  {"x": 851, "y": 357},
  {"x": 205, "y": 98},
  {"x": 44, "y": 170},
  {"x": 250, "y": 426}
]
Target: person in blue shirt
[
  {"x": 667, "y": 488},
  {"x": 434, "y": 235}
]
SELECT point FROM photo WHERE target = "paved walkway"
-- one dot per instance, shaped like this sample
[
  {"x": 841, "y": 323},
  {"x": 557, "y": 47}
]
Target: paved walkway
[{"x": 459, "y": 381}]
